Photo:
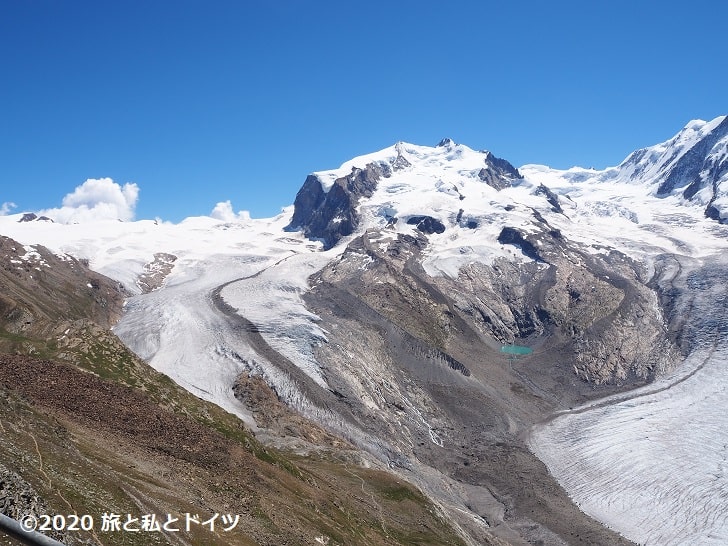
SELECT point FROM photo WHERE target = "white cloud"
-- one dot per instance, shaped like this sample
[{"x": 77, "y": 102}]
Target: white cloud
[
  {"x": 224, "y": 211},
  {"x": 97, "y": 199},
  {"x": 6, "y": 207}
]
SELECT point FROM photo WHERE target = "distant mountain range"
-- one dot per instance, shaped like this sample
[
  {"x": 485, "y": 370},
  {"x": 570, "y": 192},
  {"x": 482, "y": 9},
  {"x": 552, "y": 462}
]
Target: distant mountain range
[{"x": 368, "y": 323}]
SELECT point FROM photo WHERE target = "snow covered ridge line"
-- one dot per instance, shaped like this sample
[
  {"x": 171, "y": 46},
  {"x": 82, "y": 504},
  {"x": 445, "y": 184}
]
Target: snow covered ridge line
[
  {"x": 397, "y": 183},
  {"x": 691, "y": 165},
  {"x": 463, "y": 199},
  {"x": 459, "y": 197},
  {"x": 404, "y": 154}
]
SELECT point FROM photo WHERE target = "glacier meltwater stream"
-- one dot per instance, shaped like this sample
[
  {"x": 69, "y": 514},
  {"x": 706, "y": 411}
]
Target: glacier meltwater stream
[{"x": 653, "y": 464}]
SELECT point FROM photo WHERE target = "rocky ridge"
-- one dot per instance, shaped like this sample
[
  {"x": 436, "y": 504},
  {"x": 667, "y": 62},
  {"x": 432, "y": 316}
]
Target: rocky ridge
[{"x": 692, "y": 165}]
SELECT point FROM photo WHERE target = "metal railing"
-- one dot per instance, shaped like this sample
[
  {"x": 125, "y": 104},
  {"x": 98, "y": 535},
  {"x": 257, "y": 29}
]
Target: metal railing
[{"x": 14, "y": 529}]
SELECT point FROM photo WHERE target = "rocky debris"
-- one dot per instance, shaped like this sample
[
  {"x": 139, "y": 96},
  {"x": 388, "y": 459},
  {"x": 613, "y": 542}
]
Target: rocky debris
[
  {"x": 498, "y": 173},
  {"x": 17, "y": 320},
  {"x": 279, "y": 420},
  {"x": 87, "y": 398},
  {"x": 329, "y": 216},
  {"x": 18, "y": 499},
  {"x": 129, "y": 454},
  {"x": 156, "y": 272},
  {"x": 597, "y": 309},
  {"x": 393, "y": 334}
]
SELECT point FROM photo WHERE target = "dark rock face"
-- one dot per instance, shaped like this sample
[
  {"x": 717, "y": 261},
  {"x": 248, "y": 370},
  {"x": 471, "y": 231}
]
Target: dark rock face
[
  {"x": 551, "y": 197},
  {"x": 427, "y": 224},
  {"x": 511, "y": 236},
  {"x": 32, "y": 217},
  {"x": 498, "y": 173},
  {"x": 331, "y": 215},
  {"x": 713, "y": 213},
  {"x": 469, "y": 223},
  {"x": 400, "y": 163},
  {"x": 308, "y": 199},
  {"x": 686, "y": 172}
]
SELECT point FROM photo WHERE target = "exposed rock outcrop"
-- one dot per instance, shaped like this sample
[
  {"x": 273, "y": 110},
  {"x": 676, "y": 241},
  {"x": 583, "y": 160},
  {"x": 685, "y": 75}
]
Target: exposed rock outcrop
[
  {"x": 407, "y": 354},
  {"x": 331, "y": 215},
  {"x": 156, "y": 272},
  {"x": 512, "y": 236},
  {"x": 498, "y": 173},
  {"x": 19, "y": 499},
  {"x": 32, "y": 217},
  {"x": 427, "y": 224},
  {"x": 40, "y": 291},
  {"x": 551, "y": 197}
]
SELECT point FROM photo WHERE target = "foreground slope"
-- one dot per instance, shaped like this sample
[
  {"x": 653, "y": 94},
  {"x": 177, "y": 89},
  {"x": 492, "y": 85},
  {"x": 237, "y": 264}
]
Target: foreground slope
[{"x": 87, "y": 428}]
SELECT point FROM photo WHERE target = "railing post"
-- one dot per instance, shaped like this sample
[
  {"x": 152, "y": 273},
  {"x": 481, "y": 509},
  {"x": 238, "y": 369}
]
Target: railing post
[{"x": 14, "y": 529}]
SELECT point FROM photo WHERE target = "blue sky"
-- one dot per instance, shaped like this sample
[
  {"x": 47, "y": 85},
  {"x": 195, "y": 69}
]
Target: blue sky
[{"x": 201, "y": 102}]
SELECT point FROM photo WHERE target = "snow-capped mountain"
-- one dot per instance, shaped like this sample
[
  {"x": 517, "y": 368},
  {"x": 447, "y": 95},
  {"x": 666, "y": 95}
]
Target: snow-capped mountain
[
  {"x": 379, "y": 304},
  {"x": 693, "y": 164},
  {"x": 691, "y": 167}
]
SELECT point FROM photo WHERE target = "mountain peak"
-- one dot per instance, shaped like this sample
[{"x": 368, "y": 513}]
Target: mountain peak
[
  {"x": 692, "y": 165},
  {"x": 446, "y": 142}
]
